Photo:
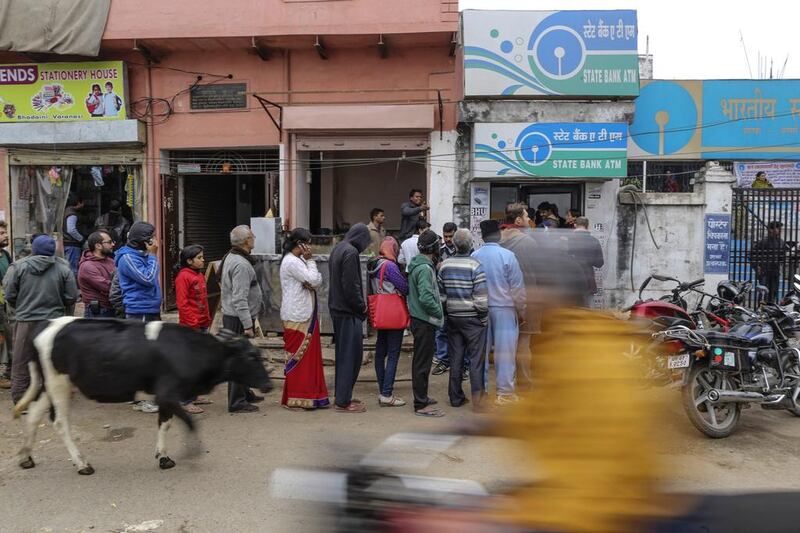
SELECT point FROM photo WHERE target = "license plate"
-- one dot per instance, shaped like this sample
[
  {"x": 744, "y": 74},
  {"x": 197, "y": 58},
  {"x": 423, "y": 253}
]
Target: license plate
[{"x": 678, "y": 361}]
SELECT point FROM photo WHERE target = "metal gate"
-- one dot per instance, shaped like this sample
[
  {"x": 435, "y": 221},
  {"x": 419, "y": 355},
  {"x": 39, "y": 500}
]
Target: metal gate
[{"x": 754, "y": 256}]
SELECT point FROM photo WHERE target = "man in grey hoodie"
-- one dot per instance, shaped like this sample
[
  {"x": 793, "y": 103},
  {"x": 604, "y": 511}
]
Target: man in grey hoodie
[
  {"x": 39, "y": 287},
  {"x": 348, "y": 311}
]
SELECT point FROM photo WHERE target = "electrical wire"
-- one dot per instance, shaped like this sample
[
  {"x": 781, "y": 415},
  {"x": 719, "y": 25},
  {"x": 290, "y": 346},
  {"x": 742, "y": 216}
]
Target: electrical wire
[{"x": 424, "y": 159}]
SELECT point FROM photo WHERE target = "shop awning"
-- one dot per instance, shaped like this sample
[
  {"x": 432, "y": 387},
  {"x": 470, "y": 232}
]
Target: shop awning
[
  {"x": 116, "y": 155},
  {"x": 73, "y": 134},
  {"x": 338, "y": 118}
]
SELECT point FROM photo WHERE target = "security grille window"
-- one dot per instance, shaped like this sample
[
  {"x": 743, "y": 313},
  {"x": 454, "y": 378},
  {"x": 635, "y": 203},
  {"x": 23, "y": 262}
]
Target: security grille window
[
  {"x": 223, "y": 162},
  {"x": 757, "y": 256},
  {"x": 663, "y": 176}
]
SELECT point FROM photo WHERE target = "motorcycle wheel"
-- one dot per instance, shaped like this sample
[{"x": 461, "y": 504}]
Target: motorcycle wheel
[{"x": 715, "y": 421}]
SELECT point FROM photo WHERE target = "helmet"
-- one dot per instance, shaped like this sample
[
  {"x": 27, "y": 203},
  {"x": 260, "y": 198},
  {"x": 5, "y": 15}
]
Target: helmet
[{"x": 727, "y": 290}]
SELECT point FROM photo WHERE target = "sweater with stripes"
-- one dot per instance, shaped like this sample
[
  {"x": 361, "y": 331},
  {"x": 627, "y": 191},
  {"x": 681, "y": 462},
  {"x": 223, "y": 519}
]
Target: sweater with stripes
[{"x": 462, "y": 286}]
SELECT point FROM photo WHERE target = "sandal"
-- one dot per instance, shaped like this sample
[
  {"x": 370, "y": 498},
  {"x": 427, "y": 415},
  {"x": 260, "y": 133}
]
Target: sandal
[
  {"x": 391, "y": 401},
  {"x": 192, "y": 409},
  {"x": 203, "y": 400},
  {"x": 430, "y": 412},
  {"x": 352, "y": 408}
]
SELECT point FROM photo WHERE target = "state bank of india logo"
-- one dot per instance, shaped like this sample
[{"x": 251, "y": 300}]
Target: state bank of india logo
[
  {"x": 568, "y": 52},
  {"x": 531, "y": 149}
]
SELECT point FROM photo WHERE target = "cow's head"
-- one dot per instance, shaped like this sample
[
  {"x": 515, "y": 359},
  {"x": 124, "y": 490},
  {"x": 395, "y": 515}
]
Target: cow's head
[{"x": 244, "y": 363}]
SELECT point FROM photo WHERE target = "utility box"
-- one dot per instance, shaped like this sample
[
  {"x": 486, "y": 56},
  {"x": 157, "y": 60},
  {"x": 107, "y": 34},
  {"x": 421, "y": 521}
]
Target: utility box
[{"x": 268, "y": 235}]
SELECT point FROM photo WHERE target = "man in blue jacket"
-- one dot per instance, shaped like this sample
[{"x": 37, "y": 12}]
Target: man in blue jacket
[
  {"x": 137, "y": 267},
  {"x": 137, "y": 271},
  {"x": 507, "y": 306}
]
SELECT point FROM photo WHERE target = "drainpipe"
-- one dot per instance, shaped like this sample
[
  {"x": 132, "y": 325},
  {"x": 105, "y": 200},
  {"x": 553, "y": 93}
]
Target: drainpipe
[
  {"x": 153, "y": 200},
  {"x": 154, "y": 182}
]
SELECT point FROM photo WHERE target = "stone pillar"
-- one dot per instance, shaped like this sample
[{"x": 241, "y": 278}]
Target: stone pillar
[{"x": 441, "y": 179}]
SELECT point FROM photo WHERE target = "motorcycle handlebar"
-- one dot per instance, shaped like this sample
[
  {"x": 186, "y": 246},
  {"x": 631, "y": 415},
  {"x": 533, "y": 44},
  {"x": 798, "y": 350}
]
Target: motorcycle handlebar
[
  {"x": 659, "y": 277},
  {"x": 693, "y": 284},
  {"x": 643, "y": 286}
]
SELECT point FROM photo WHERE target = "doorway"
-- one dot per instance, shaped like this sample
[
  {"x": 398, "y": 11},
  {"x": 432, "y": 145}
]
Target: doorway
[{"x": 564, "y": 196}]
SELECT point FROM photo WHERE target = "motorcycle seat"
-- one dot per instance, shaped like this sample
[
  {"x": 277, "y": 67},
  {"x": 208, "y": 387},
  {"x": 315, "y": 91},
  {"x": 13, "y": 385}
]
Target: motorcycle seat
[
  {"x": 673, "y": 321},
  {"x": 732, "y": 339}
]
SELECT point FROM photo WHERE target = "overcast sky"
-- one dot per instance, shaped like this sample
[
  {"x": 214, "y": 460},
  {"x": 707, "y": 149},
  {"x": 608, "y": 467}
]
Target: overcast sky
[{"x": 698, "y": 39}]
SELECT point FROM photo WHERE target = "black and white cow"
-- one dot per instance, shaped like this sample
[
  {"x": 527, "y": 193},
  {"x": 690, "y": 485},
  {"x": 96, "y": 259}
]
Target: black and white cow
[{"x": 111, "y": 360}]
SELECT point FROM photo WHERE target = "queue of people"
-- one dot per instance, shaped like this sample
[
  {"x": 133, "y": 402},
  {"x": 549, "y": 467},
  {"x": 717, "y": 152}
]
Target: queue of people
[{"x": 464, "y": 307}]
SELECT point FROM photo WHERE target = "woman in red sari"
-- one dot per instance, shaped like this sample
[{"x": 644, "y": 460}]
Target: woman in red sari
[{"x": 304, "y": 386}]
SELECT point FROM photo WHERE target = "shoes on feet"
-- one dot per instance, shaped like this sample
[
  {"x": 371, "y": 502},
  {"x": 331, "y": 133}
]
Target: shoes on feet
[
  {"x": 440, "y": 368},
  {"x": 391, "y": 401},
  {"x": 246, "y": 408},
  {"x": 353, "y": 407}
]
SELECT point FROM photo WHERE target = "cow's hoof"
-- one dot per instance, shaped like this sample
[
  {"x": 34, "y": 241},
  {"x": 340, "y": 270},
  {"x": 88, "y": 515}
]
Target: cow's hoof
[
  {"x": 86, "y": 470},
  {"x": 165, "y": 463},
  {"x": 27, "y": 463}
]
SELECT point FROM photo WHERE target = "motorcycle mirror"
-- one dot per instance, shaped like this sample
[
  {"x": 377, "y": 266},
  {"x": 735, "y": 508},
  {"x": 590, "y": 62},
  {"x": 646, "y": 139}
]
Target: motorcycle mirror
[{"x": 762, "y": 290}]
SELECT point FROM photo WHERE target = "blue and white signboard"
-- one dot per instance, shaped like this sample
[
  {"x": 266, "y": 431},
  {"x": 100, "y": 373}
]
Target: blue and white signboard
[
  {"x": 717, "y": 243},
  {"x": 577, "y": 53},
  {"x": 560, "y": 149},
  {"x": 717, "y": 119}
]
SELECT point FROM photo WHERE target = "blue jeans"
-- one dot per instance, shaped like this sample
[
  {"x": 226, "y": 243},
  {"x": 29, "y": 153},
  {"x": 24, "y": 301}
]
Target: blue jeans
[
  {"x": 104, "y": 313},
  {"x": 441, "y": 345},
  {"x": 387, "y": 355},
  {"x": 73, "y": 256},
  {"x": 502, "y": 333}
]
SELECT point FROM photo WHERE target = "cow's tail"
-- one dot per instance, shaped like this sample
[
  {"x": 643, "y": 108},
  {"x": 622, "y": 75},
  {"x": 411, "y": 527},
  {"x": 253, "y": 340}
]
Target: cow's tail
[{"x": 33, "y": 390}]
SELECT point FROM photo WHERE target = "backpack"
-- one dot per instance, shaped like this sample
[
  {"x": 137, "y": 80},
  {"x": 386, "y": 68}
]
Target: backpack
[{"x": 115, "y": 296}]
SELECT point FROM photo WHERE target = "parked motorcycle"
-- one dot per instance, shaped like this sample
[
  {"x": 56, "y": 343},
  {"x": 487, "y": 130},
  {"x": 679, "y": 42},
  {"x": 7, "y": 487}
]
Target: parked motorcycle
[
  {"x": 672, "y": 310},
  {"x": 791, "y": 300},
  {"x": 753, "y": 363}
]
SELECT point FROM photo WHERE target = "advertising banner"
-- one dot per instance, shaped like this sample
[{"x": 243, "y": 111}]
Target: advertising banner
[
  {"x": 478, "y": 209},
  {"x": 53, "y": 92},
  {"x": 562, "y": 149},
  {"x": 576, "y": 53},
  {"x": 779, "y": 173}
]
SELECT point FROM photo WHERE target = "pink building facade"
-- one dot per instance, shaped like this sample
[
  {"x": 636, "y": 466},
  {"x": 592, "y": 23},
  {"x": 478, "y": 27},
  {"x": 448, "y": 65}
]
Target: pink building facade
[{"x": 313, "y": 111}]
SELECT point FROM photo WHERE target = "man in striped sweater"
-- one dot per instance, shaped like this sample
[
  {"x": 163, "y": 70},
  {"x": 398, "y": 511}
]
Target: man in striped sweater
[{"x": 462, "y": 286}]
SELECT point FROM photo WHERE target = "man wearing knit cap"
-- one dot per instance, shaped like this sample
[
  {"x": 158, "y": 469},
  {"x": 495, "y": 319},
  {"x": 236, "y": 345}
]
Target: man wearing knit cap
[
  {"x": 425, "y": 308},
  {"x": 39, "y": 287},
  {"x": 507, "y": 306},
  {"x": 137, "y": 272}
]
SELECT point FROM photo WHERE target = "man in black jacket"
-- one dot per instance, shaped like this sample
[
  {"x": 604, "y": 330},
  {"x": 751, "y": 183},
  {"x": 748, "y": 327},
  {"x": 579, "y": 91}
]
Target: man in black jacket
[
  {"x": 588, "y": 253},
  {"x": 348, "y": 311},
  {"x": 410, "y": 213},
  {"x": 766, "y": 258}
]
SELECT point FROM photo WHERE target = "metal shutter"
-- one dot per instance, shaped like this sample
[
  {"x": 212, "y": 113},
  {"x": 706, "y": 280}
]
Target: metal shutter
[{"x": 209, "y": 213}]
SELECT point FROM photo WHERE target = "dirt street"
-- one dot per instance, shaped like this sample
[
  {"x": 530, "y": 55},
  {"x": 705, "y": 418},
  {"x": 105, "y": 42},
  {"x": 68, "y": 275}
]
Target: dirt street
[{"x": 226, "y": 487}]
